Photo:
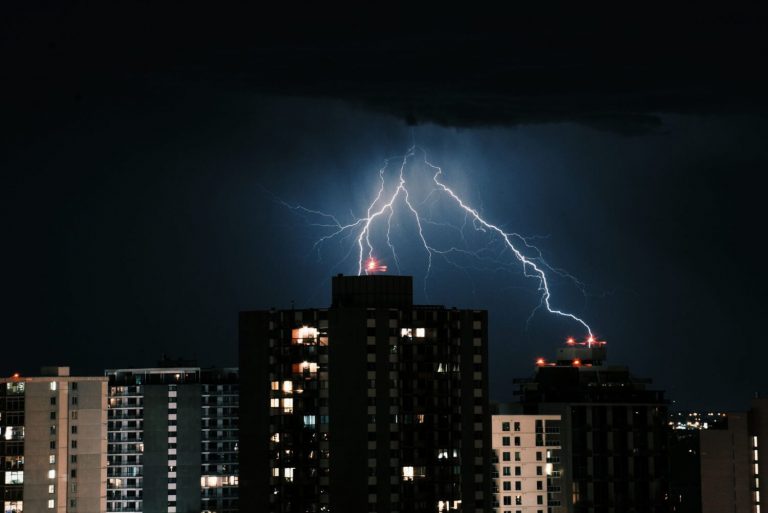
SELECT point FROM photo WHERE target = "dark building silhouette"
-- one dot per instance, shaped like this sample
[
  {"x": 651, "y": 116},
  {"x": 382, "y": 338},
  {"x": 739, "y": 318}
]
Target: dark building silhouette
[
  {"x": 372, "y": 405},
  {"x": 173, "y": 439},
  {"x": 614, "y": 435},
  {"x": 685, "y": 471}
]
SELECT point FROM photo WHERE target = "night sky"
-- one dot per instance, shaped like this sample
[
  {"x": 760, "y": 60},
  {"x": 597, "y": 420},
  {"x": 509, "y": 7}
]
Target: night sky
[{"x": 145, "y": 150}]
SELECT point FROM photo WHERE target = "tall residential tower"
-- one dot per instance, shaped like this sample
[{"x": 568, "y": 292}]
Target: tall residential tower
[
  {"x": 613, "y": 431},
  {"x": 371, "y": 405},
  {"x": 173, "y": 439},
  {"x": 53, "y": 431}
]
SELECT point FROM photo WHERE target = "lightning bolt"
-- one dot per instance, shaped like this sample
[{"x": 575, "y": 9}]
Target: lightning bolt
[{"x": 386, "y": 203}]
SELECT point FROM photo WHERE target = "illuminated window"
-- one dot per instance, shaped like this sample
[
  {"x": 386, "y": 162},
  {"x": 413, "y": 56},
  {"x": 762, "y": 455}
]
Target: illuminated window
[
  {"x": 51, "y": 503},
  {"x": 288, "y": 387},
  {"x": 407, "y": 473},
  {"x": 13, "y": 506},
  {"x": 304, "y": 335},
  {"x": 53, "y": 385},
  {"x": 210, "y": 481},
  {"x": 304, "y": 367},
  {"x": 288, "y": 473},
  {"x": 52, "y": 459},
  {"x": 288, "y": 405},
  {"x": 51, "y": 474},
  {"x": 274, "y": 403},
  {"x": 275, "y": 385},
  {"x": 276, "y": 438},
  {"x": 14, "y": 477},
  {"x": 406, "y": 332},
  {"x": 421, "y": 333},
  {"x": 51, "y": 488},
  {"x": 309, "y": 421},
  {"x": 276, "y": 472}
]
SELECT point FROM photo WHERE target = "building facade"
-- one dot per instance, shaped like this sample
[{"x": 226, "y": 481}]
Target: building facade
[
  {"x": 614, "y": 431},
  {"x": 731, "y": 469},
  {"x": 372, "y": 405},
  {"x": 527, "y": 470},
  {"x": 53, "y": 450},
  {"x": 173, "y": 439}
]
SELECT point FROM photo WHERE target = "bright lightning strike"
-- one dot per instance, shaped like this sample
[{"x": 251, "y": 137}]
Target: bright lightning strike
[{"x": 387, "y": 202}]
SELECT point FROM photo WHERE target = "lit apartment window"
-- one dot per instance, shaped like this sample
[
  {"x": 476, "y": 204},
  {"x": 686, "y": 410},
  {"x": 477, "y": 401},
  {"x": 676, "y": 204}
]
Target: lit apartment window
[
  {"x": 53, "y": 385},
  {"x": 51, "y": 503},
  {"x": 288, "y": 473},
  {"x": 421, "y": 332},
  {"x": 16, "y": 477},
  {"x": 51, "y": 474}
]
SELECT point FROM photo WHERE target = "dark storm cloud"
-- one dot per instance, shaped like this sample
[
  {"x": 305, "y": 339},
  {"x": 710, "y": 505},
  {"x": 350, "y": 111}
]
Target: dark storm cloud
[{"x": 614, "y": 69}]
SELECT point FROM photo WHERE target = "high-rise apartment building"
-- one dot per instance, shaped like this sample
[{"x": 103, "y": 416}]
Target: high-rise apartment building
[
  {"x": 527, "y": 471},
  {"x": 53, "y": 432},
  {"x": 173, "y": 439},
  {"x": 614, "y": 431},
  {"x": 371, "y": 405},
  {"x": 731, "y": 469}
]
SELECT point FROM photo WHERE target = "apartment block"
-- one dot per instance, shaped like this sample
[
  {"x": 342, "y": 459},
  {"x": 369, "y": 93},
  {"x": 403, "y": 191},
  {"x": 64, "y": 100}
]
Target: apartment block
[
  {"x": 173, "y": 439},
  {"x": 53, "y": 449}
]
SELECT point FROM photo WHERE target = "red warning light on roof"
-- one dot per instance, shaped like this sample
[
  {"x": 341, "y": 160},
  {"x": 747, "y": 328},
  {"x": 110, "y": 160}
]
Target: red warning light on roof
[
  {"x": 571, "y": 341},
  {"x": 577, "y": 362},
  {"x": 540, "y": 361},
  {"x": 373, "y": 266}
]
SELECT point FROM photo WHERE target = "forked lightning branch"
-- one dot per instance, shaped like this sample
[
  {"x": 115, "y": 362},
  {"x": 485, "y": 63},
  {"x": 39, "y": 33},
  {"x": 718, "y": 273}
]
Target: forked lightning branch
[{"x": 393, "y": 198}]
